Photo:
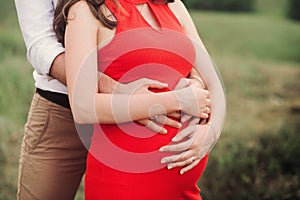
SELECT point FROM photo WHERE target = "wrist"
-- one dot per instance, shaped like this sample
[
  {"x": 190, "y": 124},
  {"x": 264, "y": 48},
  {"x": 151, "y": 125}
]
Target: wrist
[
  {"x": 176, "y": 97},
  {"x": 200, "y": 80},
  {"x": 105, "y": 83},
  {"x": 168, "y": 102}
]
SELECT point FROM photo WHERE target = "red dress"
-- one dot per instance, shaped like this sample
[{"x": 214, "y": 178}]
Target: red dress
[{"x": 123, "y": 160}]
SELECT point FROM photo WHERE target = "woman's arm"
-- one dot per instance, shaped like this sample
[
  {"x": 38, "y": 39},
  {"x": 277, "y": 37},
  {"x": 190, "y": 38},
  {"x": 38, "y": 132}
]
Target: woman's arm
[
  {"x": 208, "y": 72},
  {"x": 195, "y": 141},
  {"x": 89, "y": 106}
]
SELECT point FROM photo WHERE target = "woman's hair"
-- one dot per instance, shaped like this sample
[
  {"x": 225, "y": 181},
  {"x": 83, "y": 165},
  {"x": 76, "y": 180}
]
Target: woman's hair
[{"x": 62, "y": 9}]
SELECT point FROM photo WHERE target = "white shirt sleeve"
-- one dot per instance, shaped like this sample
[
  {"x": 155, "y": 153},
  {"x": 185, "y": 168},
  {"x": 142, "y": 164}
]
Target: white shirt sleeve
[{"x": 36, "y": 22}]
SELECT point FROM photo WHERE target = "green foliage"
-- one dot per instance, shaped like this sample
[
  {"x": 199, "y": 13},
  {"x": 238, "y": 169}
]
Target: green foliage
[
  {"x": 258, "y": 56},
  {"x": 8, "y": 139},
  {"x": 265, "y": 168},
  {"x": 294, "y": 9},
  {"x": 226, "y": 5}
]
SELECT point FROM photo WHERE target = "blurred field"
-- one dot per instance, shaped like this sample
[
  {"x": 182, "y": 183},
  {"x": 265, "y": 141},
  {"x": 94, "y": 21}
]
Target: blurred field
[{"x": 258, "y": 55}]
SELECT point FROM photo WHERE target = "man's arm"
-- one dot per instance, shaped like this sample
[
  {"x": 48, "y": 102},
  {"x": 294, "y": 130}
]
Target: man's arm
[
  {"x": 46, "y": 54},
  {"x": 57, "y": 69},
  {"x": 36, "y": 19}
]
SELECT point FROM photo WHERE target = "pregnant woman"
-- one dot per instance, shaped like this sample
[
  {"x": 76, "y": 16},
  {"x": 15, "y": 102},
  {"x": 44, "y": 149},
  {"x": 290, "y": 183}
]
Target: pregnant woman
[{"x": 138, "y": 39}]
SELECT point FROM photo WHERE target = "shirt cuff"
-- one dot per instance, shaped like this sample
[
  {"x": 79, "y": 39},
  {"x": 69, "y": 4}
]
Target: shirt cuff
[
  {"x": 49, "y": 59},
  {"x": 42, "y": 56}
]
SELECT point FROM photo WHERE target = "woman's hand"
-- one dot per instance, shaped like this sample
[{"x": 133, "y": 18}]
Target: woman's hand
[
  {"x": 192, "y": 98},
  {"x": 192, "y": 144},
  {"x": 142, "y": 86}
]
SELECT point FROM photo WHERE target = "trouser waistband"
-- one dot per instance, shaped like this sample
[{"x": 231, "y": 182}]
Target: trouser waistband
[{"x": 58, "y": 98}]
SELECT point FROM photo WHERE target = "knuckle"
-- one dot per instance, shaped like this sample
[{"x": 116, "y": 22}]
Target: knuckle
[
  {"x": 181, "y": 158},
  {"x": 184, "y": 156},
  {"x": 193, "y": 145}
]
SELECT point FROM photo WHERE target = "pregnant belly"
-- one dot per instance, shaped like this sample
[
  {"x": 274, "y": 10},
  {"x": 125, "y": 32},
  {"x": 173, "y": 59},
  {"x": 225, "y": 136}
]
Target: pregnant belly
[
  {"x": 125, "y": 157},
  {"x": 132, "y": 148}
]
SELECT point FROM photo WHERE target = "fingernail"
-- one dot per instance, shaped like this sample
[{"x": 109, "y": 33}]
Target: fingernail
[
  {"x": 179, "y": 125},
  {"x": 163, "y": 161},
  {"x": 165, "y": 84},
  {"x": 170, "y": 166},
  {"x": 174, "y": 139},
  {"x": 164, "y": 131},
  {"x": 181, "y": 172},
  {"x": 162, "y": 149}
]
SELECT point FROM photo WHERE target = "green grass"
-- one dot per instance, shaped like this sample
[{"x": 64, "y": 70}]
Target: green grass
[{"x": 258, "y": 57}]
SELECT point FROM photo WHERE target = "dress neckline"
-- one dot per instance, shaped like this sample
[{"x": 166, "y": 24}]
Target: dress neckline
[{"x": 137, "y": 1}]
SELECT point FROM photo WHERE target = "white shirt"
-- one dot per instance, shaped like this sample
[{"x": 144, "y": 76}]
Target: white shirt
[{"x": 36, "y": 20}]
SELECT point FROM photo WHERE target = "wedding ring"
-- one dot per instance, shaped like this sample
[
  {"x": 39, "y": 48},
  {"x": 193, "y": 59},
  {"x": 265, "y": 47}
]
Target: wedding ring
[
  {"x": 154, "y": 117},
  {"x": 192, "y": 158}
]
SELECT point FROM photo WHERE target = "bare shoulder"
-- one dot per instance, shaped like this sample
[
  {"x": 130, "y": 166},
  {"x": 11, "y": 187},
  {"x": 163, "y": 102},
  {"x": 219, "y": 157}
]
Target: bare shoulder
[
  {"x": 81, "y": 9},
  {"x": 177, "y": 6},
  {"x": 180, "y": 11},
  {"x": 81, "y": 5}
]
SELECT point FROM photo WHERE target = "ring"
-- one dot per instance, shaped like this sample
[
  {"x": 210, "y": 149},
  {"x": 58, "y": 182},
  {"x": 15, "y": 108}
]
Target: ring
[
  {"x": 154, "y": 117},
  {"x": 192, "y": 158}
]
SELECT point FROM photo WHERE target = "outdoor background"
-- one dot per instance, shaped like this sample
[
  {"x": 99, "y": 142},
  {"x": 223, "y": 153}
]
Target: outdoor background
[{"x": 258, "y": 55}]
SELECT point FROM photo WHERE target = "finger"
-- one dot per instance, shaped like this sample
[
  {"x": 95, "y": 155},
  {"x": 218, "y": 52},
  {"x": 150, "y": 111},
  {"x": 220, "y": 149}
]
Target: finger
[
  {"x": 149, "y": 83},
  {"x": 183, "y": 82},
  {"x": 182, "y": 146},
  {"x": 208, "y": 102},
  {"x": 189, "y": 167},
  {"x": 207, "y": 110},
  {"x": 184, "y": 133},
  {"x": 183, "y": 163},
  {"x": 167, "y": 121},
  {"x": 206, "y": 93},
  {"x": 195, "y": 82},
  {"x": 185, "y": 118},
  {"x": 176, "y": 115},
  {"x": 177, "y": 158},
  {"x": 194, "y": 121},
  {"x": 203, "y": 121},
  {"x": 169, "y": 159},
  {"x": 153, "y": 126},
  {"x": 204, "y": 115},
  {"x": 157, "y": 85}
]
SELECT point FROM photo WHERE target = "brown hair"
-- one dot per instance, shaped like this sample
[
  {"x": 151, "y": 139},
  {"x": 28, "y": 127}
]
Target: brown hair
[{"x": 62, "y": 9}]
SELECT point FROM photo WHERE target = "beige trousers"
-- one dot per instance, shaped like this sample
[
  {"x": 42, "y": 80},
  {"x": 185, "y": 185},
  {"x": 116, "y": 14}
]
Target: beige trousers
[{"x": 52, "y": 158}]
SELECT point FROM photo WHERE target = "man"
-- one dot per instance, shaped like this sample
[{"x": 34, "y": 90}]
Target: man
[{"x": 52, "y": 158}]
